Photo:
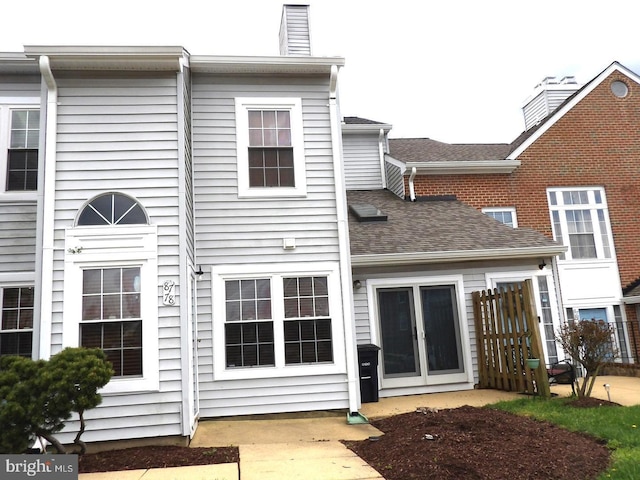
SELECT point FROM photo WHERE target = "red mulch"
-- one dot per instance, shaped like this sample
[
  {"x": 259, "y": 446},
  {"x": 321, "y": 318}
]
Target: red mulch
[{"x": 477, "y": 443}]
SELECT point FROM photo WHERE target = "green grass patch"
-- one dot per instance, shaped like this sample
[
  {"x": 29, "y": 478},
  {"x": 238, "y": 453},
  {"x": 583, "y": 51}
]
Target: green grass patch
[{"x": 619, "y": 426}]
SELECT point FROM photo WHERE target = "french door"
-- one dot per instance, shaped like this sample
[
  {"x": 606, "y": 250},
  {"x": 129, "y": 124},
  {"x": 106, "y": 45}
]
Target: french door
[{"x": 420, "y": 331}]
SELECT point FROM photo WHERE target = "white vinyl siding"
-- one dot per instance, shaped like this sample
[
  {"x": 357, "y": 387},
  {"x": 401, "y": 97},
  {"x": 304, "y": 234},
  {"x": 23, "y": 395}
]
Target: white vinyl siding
[
  {"x": 246, "y": 231},
  {"x": 362, "y": 161},
  {"x": 118, "y": 133},
  {"x": 17, "y": 237}
]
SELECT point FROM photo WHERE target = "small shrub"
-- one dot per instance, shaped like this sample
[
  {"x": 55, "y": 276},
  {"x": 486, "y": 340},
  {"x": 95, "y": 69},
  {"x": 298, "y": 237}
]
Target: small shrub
[
  {"x": 589, "y": 342},
  {"x": 38, "y": 397}
]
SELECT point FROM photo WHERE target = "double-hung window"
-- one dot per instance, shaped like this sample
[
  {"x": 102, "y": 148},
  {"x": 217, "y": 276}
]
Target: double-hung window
[
  {"x": 16, "y": 321},
  {"x": 276, "y": 324},
  {"x": 270, "y": 147},
  {"x": 111, "y": 318},
  {"x": 21, "y": 173},
  {"x": 22, "y": 162},
  {"x": 581, "y": 221}
]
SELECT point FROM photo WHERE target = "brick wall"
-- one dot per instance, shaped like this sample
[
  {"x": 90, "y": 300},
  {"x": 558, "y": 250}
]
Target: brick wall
[{"x": 597, "y": 143}]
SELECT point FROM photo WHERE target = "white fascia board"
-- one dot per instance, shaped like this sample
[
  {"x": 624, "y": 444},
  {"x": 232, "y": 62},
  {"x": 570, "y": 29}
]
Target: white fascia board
[
  {"x": 278, "y": 64},
  {"x": 454, "y": 256},
  {"x": 110, "y": 57},
  {"x": 558, "y": 114},
  {"x": 631, "y": 300},
  {"x": 13, "y": 62},
  {"x": 365, "y": 128},
  {"x": 464, "y": 167}
]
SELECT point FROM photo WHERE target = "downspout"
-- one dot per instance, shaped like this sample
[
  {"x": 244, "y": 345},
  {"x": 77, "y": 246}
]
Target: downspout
[
  {"x": 185, "y": 266},
  {"x": 383, "y": 171},
  {"x": 343, "y": 246},
  {"x": 412, "y": 190},
  {"x": 48, "y": 209}
]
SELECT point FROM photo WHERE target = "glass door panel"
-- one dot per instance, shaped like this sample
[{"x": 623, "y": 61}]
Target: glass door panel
[
  {"x": 441, "y": 330},
  {"x": 399, "y": 343}
]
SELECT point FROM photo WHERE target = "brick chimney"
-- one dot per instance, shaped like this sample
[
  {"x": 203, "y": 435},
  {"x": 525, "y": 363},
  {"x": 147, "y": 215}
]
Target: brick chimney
[
  {"x": 295, "y": 38},
  {"x": 546, "y": 97}
]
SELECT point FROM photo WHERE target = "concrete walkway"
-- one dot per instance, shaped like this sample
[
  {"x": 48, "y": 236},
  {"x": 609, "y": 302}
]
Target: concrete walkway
[{"x": 307, "y": 447}]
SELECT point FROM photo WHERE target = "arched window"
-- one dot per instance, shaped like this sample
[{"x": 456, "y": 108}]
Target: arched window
[{"x": 112, "y": 209}]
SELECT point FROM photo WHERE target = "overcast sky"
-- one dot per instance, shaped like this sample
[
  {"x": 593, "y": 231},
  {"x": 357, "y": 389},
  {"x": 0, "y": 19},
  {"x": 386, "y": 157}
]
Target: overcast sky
[{"x": 455, "y": 71}]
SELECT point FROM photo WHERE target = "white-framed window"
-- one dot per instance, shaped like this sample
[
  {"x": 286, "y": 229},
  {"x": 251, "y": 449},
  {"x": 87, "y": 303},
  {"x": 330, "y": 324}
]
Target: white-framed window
[
  {"x": 276, "y": 321},
  {"x": 270, "y": 147},
  {"x": 19, "y": 141},
  {"x": 16, "y": 320},
  {"x": 580, "y": 220},
  {"x": 111, "y": 291},
  {"x": 111, "y": 316},
  {"x": 506, "y": 215}
]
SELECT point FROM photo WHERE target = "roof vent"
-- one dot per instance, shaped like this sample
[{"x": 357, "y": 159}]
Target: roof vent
[{"x": 365, "y": 212}]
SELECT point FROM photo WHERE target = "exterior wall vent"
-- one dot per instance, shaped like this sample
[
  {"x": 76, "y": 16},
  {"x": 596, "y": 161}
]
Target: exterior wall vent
[{"x": 295, "y": 36}]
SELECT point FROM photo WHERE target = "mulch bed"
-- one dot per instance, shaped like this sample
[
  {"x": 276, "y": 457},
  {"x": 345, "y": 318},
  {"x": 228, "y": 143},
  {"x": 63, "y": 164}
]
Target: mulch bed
[
  {"x": 476, "y": 443},
  {"x": 462, "y": 443},
  {"x": 155, "y": 457}
]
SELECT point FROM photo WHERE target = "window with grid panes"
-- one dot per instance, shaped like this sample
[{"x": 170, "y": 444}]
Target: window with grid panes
[
  {"x": 307, "y": 324},
  {"x": 580, "y": 221},
  {"x": 270, "y": 149},
  {"x": 111, "y": 317},
  {"x": 249, "y": 339},
  {"x": 16, "y": 322},
  {"x": 22, "y": 158}
]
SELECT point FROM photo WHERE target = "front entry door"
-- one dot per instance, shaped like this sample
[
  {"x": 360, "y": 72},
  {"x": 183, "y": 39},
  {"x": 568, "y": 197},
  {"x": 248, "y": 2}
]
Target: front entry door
[{"x": 420, "y": 336}]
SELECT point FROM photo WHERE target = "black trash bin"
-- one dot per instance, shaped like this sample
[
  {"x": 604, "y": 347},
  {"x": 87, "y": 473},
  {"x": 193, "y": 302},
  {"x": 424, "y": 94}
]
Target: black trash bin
[{"x": 368, "y": 366}]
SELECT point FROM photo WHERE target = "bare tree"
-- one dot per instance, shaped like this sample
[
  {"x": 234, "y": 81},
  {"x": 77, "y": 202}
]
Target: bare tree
[{"x": 590, "y": 343}]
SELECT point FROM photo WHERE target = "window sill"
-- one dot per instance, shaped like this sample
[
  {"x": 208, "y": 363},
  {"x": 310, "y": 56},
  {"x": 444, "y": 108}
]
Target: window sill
[
  {"x": 272, "y": 192},
  {"x": 128, "y": 386},
  {"x": 249, "y": 373},
  {"x": 19, "y": 197}
]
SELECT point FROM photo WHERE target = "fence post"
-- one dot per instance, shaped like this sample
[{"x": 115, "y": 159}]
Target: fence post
[{"x": 542, "y": 380}]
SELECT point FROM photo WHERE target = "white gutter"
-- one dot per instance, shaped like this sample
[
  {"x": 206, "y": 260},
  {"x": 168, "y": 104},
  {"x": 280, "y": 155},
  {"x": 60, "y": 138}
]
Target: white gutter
[
  {"x": 465, "y": 167},
  {"x": 353, "y": 388},
  {"x": 412, "y": 190},
  {"x": 381, "y": 155},
  {"x": 48, "y": 210},
  {"x": 389, "y": 259}
]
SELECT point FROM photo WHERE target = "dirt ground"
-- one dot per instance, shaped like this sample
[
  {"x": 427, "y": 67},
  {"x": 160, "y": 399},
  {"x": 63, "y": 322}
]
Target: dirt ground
[
  {"x": 466, "y": 442},
  {"x": 476, "y": 443}
]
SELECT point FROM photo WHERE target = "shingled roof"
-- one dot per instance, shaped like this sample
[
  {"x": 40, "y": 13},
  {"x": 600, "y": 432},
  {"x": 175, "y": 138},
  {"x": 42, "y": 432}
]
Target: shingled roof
[
  {"x": 436, "y": 230},
  {"x": 428, "y": 150}
]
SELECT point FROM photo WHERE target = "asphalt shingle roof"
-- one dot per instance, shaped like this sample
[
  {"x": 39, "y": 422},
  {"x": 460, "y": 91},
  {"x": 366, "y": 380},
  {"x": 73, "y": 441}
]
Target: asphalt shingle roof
[
  {"x": 428, "y": 150},
  {"x": 432, "y": 226}
]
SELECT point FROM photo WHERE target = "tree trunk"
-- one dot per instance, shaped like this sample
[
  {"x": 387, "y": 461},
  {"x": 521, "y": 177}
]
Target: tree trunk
[{"x": 77, "y": 441}]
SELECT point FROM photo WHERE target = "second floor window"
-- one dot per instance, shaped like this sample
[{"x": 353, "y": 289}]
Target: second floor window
[
  {"x": 506, "y": 215},
  {"x": 22, "y": 157},
  {"x": 581, "y": 221},
  {"x": 270, "y": 149}
]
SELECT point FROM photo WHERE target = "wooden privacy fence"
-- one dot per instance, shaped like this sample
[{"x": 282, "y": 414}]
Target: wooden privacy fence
[{"x": 507, "y": 337}]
